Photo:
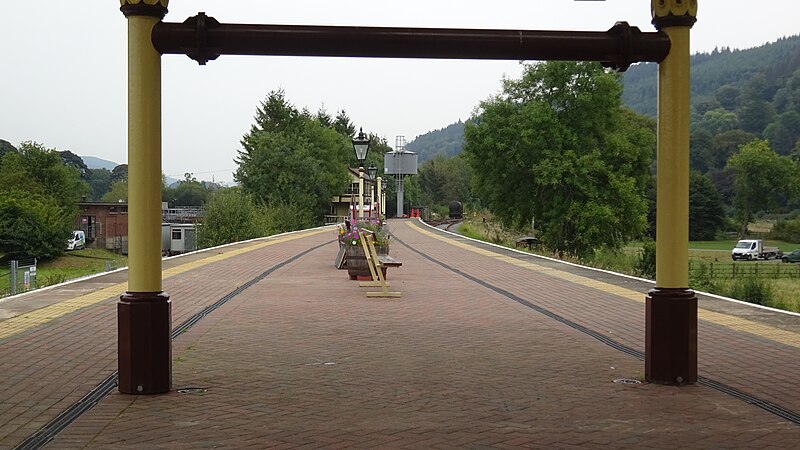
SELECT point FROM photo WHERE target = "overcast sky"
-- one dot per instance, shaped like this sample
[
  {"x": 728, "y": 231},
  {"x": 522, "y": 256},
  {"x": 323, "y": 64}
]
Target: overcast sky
[{"x": 63, "y": 69}]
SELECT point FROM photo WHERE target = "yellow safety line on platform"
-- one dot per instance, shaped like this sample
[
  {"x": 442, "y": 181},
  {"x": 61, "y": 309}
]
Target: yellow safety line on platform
[
  {"x": 38, "y": 317},
  {"x": 725, "y": 320}
]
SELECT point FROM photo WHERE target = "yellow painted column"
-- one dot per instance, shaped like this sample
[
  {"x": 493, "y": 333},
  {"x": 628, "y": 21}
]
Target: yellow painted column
[
  {"x": 671, "y": 308},
  {"x": 672, "y": 198},
  {"x": 144, "y": 157},
  {"x": 144, "y": 314}
]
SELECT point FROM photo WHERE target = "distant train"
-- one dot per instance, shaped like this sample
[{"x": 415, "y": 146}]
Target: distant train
[{"x": 456, "y": 210}]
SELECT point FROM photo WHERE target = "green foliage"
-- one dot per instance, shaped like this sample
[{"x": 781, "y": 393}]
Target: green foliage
[
  {"x": 646, "y": 265},
  {"x": 786, "y": 230},
  {"x": 557, "y": 146},
  {"x": 701, "y": 145},
  {"x": 281, "y": 217},
  {"x": 706, "y": 212},
  {"x": 120, "y": 174},
  {"x": 752, "y": 290},
  {"x": 5, "y": 147},
  {"x": 756, "y": 112},
  {"x": 727, "y": 144},
  {"x": 39, "y": 170},
  {"x": 38, "y": 201},
  {"x": 291, "y": 158},
  {"x": 230, "y": 215},
  {"x": 189, "y": 192},
  {"x": 99, "y": 182},
  {"x": 445, "y": 142},
  {"x": 443, "y": 180},
  {"x": 761, "y": 177},
  {"x": 72, "y": 160},
  {"x": 701, "y": 279},
  {"x": 721, "y": 75},
  {"x": 233, "y": 215},
  {"x": 32, "y": 225},
  {"x": 117, "y": 193}
]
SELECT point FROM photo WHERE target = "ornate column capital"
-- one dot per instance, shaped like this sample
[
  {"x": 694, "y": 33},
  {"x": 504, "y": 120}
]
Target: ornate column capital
[
  {"x": 673, "y": 13},
  {"x": 154, "y": 8}
]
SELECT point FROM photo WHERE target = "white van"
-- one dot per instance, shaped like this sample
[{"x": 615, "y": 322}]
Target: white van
[{"x": 77, "y": 241}]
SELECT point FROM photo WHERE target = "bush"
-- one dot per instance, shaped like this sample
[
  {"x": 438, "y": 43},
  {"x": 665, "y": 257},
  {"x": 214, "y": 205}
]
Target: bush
[
  {"x": 786, "y": 230},
  {"x": 752, "y": 290},
  {"x": 646, "y": 267},
  {"x": 614, "y": 260},
  {"x": 700, "y": 278}
]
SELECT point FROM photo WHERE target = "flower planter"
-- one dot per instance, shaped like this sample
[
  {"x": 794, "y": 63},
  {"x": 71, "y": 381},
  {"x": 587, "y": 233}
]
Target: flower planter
[{"x": 357, "y": 263}]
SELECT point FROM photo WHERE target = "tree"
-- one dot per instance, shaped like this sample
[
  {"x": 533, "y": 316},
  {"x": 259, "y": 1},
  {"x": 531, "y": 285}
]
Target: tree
[
  {"x": 290, "y": 158},
  {"x": 756, "y": 113},
  {"x": 32, "y": 225},
  {"x": 117, "y": 193},
  {"x": 701, "y": 144},
  {"x": 5, "y": 147},
  {"x": 38, "y": 201},
  {"x": 120, "y": 173},
  {"x": 343, "y": 125},
  {"x": 727, "y": 144},
  {"x": 761, "y": 177},
  {"x": 73, "y": 160},
  {"x": 36, "y": 169},
  {"x": 784, "y": 132},
  {"x": 443, "y": 180},
  {"x": 231, "y": 215},
  {"x": 99, "y": 181},
  {"x": 190, "y": 192},
  {"x": 719, "y": 120},
  {"x": 557, "y": 145},
  {"x": 706, "y": 213},
  {"x": 726, "y": 96}
]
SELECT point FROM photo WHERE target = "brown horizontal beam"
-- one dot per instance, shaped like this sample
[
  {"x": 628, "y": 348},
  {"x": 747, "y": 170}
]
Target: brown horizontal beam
[{"x": 203, "y": 38}]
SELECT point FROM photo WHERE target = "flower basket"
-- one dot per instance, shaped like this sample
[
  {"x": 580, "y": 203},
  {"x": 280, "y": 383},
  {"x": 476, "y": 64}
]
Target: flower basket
[
  {"x": 357, "y": 265},
  {"x": 349, "y": 238}
]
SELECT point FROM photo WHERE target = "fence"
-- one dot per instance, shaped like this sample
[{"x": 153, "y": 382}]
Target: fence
[
  {"x": 21, "y": 277},
  {"x": 733, "y": 270}
]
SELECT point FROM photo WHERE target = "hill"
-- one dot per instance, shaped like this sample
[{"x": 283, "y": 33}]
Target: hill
[
  {"x": 93, "y": 162},
  {"x": 722, "y": 68},
  {"x": 755, "y": 90},
  {"x": 447, "y": 141}
]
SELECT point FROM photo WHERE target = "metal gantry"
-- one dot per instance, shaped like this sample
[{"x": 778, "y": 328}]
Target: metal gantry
[{"x": 144, "y": 313}]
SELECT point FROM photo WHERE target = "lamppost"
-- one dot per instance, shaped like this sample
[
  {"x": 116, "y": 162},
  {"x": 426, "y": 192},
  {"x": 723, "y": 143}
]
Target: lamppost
[
  {"x": 383, "y": 197},
  {"x": 371, "y": 171},
  {"x": 361, "y": 147}
]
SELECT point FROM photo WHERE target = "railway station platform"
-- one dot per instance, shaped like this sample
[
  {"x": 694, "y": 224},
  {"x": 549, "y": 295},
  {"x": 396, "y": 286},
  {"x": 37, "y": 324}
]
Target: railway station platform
[{"x": 486, "y": 348}]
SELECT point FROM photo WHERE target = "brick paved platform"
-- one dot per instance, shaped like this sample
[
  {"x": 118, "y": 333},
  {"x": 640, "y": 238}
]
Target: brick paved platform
[{"x": 302, "y": 359}]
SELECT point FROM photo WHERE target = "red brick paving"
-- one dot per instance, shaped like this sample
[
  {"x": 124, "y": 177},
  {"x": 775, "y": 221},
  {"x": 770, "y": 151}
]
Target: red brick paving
[{"x": 303, "y": 359}]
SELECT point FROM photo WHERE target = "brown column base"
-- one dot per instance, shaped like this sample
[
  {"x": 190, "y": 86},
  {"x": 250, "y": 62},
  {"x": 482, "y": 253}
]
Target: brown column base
[
  {"x": 671, "y": 336},
  {"x": 144, "y": 344}
]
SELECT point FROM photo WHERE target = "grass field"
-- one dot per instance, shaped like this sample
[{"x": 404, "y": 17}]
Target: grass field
[
  {"x": 781, "y": 290},
  {"x": 74, "y": 264}
]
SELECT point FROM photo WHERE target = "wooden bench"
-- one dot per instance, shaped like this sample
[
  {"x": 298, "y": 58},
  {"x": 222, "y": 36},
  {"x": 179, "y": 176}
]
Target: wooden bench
[
  {"x": 388, "y": 261},
  {"x": 378, "y": 264}
]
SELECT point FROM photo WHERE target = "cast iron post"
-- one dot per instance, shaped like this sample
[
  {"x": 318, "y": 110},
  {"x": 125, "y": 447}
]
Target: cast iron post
[
  {"x": 671, "y": 308},
  {"x": 144, "y": 311}
]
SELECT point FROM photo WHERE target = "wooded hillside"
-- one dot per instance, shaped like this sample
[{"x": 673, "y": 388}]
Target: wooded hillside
[{"x": 735, "y": 94}]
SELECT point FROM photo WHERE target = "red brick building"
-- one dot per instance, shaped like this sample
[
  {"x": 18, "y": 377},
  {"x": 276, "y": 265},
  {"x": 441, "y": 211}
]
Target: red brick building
[{"x": 105, "y": 225}]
